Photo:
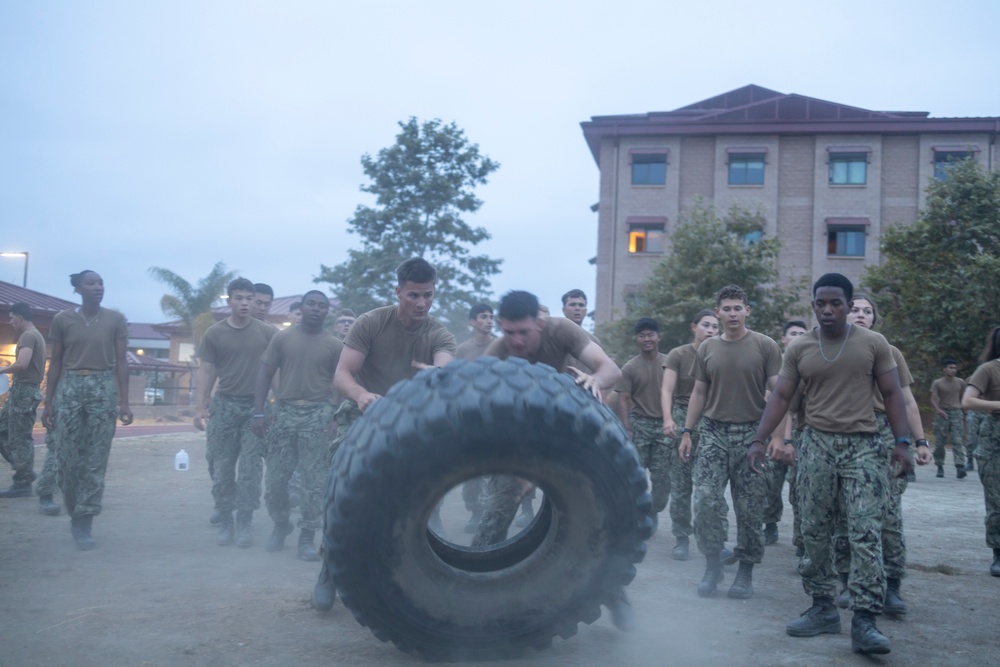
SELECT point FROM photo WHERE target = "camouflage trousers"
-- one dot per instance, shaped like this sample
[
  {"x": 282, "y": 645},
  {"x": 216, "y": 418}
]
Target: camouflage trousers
[
  {"x": 988, "y": 454},
  {"x": 835, "y": 471},
  {"x": 236, "y": 454},
  {"x": 973, "y": 419},
  {"x": 793, "y": 492},
  {"x": 681, "y": 480},
  {"x": 774, "y": 504},
  {"x": 17, "y": 418},
  {"x": 48, "y": 479},
  {"x": 299, "y": 437},
  {"x": 893, "y": 539},
  {"x": 500, "y": 500},
  {"x": 949, "y": 429},
  {"x": 722, "y": 459},
  {"x": 86, "y": 407},
  {"x": 654, "y": 453}
]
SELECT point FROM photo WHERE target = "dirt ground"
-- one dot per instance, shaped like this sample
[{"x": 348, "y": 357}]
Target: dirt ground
[{"x": 158, "y": 591}]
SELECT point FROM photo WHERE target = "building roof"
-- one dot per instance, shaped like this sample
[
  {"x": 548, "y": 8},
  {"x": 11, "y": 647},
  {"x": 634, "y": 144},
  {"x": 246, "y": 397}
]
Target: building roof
[
  {"x": 140, "y": 362},
  {"x": 757, "y": 110},
  {"x": 11, "y": 294},
  {"x": 144, "y": 331}
]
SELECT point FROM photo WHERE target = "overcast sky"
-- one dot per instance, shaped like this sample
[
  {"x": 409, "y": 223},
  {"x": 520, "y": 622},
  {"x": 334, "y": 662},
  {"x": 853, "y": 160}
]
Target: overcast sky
[{"x": 179, "y": 134}]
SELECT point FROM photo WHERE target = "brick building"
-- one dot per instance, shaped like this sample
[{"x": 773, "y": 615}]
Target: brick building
[{"x": 828, "y": 178}]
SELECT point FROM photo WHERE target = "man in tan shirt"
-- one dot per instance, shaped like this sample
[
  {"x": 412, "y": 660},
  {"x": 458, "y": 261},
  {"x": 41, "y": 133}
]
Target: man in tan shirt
[
  {"x": 949, "y": 420},
  {"x": 17, "y": 417}
]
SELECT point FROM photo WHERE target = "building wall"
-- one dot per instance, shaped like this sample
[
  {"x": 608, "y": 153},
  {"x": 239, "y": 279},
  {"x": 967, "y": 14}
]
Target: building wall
[{"x": 796, "y": 197}]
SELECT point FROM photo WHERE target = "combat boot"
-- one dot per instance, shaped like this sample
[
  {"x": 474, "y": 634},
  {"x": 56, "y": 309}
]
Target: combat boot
[
  {"x": 770, "y": 534},
  {"x": 47, "y": 506},
  {"x": 307, "y": 550},
  {"x": 995, "y": 567},
  {"x": 17, "y": 490},
  {"x": 742, "y": 588},
  {"x": 622, "y": 614},
  {"x": 324, "y": 592},
  {"x": 970, "y": 463},
  {"x": 244, "y": 533},
  {"x": 227, "y": 533},
  {"x": 818, "y": 619},
  {"x": 844, "y": 599},
  {"x": 960, "y": 472},
  {"x": 680, "y": 551},
  {"x": 80, "y": 527},
  {"x": 865, "y": 636},
  {"x": 276, "y": 542},
  {"x": 940, "y": 472},
  {"x": 894, "y": 603},
  {"x": 216, "y": 518},
  {"x": 713, "y": 575},
  {"x": 727, "y": 556}
]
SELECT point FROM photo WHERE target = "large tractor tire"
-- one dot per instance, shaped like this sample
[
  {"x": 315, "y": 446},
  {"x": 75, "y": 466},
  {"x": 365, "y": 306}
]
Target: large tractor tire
[{"x": 425, "y": 594}]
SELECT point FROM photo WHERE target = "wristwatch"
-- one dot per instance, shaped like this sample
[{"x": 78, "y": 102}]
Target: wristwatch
[
  {"x": 922, "y": 443},
  {"x": 686, "y": 430}
]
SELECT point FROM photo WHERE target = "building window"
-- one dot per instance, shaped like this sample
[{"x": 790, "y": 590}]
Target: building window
[
  {"x": 848, "y": 168},
  {"x": 746, "y": 169},
  {"x": 944, "y": 160},
  {"x": 645, "y": 239},
  {"x": 649, "y": 169},
  {"x": 846, "y": 241}
]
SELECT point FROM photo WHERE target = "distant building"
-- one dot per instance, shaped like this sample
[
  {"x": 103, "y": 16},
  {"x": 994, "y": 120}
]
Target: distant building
[{"x": 828, "y": 177}]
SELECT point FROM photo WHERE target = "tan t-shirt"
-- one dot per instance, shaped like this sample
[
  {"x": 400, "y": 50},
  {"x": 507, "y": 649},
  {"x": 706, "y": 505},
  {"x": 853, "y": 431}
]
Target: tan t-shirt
[
  {"x": 948, "y": 391},
  {"x": 737, "y": 373},
  {"x": 641, "y": 379},
  {"x": 561, "y": 340},
  {"x": 681, "y": 360},
  {"x": 305, "y": 363},
  {"x": 576, "y": 363},
  {"x": 235, "y": 353},
  {"x": 470, "y": 349},
  {"x": 838, "y": 394},
  {"x": 905, "y": 378},
  {"x": 31, "y": 340},
  {"x": 88, "y": 346},
  {"x": 987, "y": 380},
  {"x": 390, "y": 350}
]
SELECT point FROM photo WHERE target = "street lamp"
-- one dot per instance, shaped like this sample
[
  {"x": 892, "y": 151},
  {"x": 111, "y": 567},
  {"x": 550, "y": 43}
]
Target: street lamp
[{"x": 19, "y": 254}]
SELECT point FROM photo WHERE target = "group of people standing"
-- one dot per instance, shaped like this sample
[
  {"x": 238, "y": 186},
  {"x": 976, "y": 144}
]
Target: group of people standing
[{"x": 833, "y": 413}]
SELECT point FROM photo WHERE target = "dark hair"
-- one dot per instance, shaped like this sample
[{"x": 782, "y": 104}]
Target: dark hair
[
  {"x": 948, "y": 361},
  {"x": 479, "y": 308},
  {"x": 517, "y": 305},
  {"x": 992, "y": 349},
  {"x": 415, "y": 270},
  {"x": 346, "y": 312},
  {"x": 242, "y": 284},
  {"x": 263, "y": 288},
  {"x": 574, "y": 294},
  {"x": 867, "y": 298},
  {"x": 315, "y": 291},
  {"x": 76, "y": 279},
  {"x": 793, "y": 323},
  {"x": 730, "y": 292},
  {"x": 646, "y": 324},
  {"x": 703, "y": 313},
  {"x": 22, "y": 310},
  {"x": 835, "y": 280},
  {"x": 295, "y": 306}
]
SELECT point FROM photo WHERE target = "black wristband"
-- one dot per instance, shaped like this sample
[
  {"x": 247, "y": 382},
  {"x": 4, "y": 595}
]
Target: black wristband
[
  {"x": 762, "y": 443},
  {"x": 686, "y": 430},
  {"x": 922, "y": 443},
  {"x": 789, "y": 442}
]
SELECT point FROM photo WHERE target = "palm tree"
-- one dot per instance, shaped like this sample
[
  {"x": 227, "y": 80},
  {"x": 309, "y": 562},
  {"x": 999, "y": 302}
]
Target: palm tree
[{"x": 193, "y": 305}]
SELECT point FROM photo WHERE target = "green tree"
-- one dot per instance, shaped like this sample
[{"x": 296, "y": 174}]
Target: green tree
[
  {"x": 937, "y": 286},
  {"x": 422, "y": 184},
  {"x": 708, "y": 253},
  {"x": 193, "y": 304}
]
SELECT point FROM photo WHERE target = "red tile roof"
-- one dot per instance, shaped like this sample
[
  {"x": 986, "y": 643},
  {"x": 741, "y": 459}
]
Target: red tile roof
[{"x": 11, "y": 294}]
